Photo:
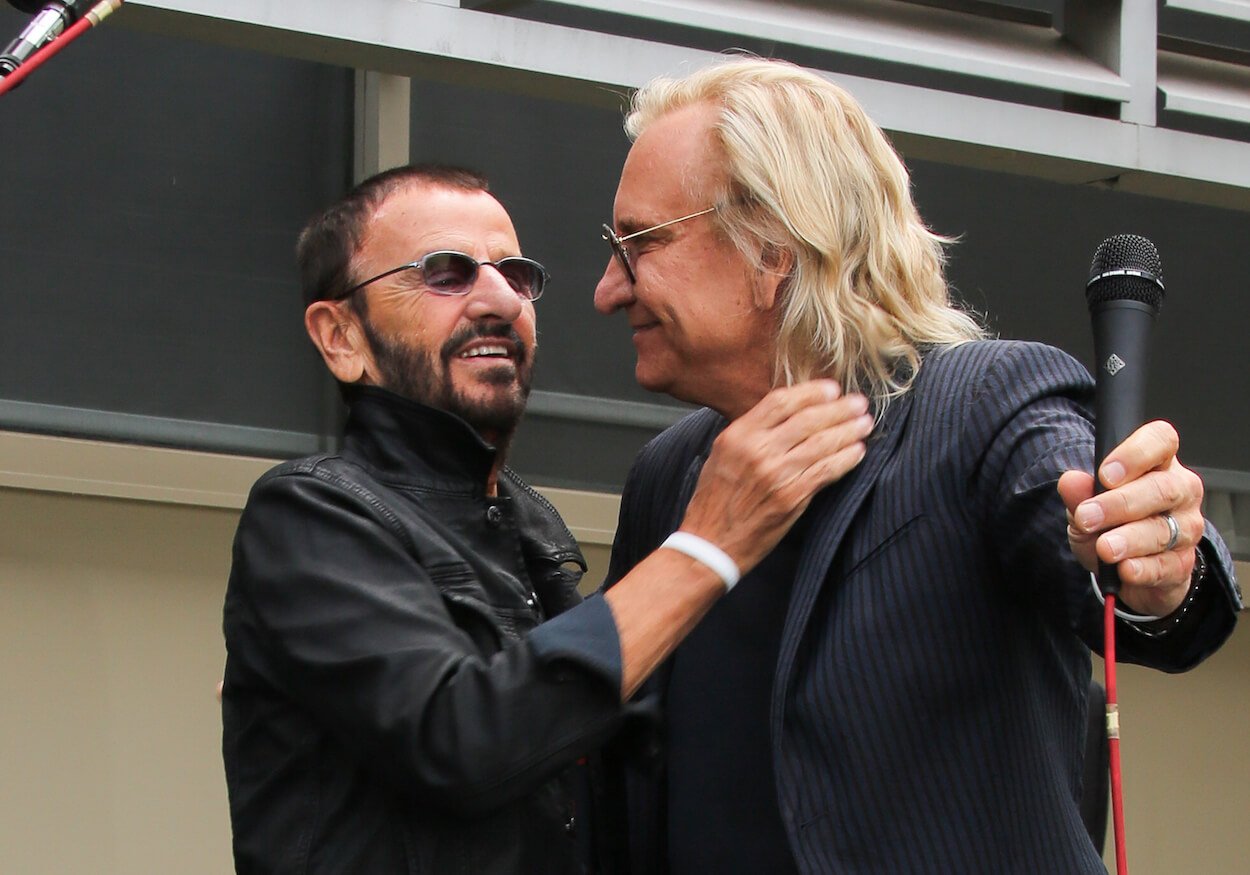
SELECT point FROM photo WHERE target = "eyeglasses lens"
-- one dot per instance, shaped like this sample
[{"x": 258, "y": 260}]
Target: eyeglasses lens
[
  {"x": 453, "y": 273},
  {"x": 619, "y": 250},
  {"x": 448, "y": 273},
  {"x": 525, "y": 276}
]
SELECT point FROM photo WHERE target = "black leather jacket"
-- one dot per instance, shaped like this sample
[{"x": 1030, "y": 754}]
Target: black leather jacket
[{"x": 396, "y": 699}]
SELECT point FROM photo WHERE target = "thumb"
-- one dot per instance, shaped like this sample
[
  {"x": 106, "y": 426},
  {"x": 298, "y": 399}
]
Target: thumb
[{"x": 1075, "y": 487}]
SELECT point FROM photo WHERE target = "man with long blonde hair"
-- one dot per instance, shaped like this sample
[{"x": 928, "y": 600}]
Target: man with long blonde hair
[{"x": 905, "y": 691}]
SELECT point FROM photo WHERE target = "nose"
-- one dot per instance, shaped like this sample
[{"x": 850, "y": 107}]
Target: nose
[
  {"x": 492, "y": 296},
  {"x": 614, "y": 290}
]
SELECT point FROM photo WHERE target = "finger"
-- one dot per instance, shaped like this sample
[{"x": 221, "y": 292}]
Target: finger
[
  {"x": 829, "y": 441},
  {"x": 1150, "y": 447},
  {"x": 831, "y": 467},
  {"x": 783, "y": 402},
  {"x": 1157, "y": 584},
  {"x": 782, "y": 477},
  {"x": 1177, "y": 491},
  {"x": 821, "y": 422},
  {"x": 1149, "y": 538},
  {"x": 791, "y": 498},
  {"x": 1084, "y": 546},
  {"x": 1074, "y": 488},
  {"x": 1172, "y": 536},
  {"x": 821, "y": 459},
  {"x": 770, "y": 437}
]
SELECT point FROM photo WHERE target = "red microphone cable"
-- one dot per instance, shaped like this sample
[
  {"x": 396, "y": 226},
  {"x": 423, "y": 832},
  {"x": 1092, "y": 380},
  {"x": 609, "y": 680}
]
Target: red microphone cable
[
  {"x": 1113, "y": 735},
  {"x": 91, "y": 18}
]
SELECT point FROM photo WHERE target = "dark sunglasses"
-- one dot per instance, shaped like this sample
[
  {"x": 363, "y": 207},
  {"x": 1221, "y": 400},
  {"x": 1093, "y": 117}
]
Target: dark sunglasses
[{"x": 454, "y": 273}]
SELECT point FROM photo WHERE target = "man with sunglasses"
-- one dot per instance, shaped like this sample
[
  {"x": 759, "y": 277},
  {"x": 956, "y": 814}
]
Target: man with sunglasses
[
  {"x": 901, "y": 685},
  {"x": 412, "y": 677}
]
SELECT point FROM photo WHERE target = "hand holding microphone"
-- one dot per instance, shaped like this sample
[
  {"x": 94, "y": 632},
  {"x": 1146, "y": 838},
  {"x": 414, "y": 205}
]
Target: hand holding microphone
[{"x": 1139, "y": 522}]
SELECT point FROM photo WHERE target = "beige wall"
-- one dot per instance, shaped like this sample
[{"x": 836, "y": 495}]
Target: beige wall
[
  {"x": 1186, "y": 775},
  {"x": 110, "y": 643}
]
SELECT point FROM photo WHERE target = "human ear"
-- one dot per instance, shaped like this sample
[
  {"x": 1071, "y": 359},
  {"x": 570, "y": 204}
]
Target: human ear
[
  {"x": 777, "y": 266},
  {"x": 339, "y": 340}
]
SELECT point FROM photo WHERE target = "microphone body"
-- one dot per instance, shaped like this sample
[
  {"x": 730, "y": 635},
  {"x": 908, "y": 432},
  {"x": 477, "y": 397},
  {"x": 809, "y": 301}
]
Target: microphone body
[
  {"x": 49, "y": 23},
  {"x": 1121, "y": 348},
  {"x": 1124, "y": 293}
]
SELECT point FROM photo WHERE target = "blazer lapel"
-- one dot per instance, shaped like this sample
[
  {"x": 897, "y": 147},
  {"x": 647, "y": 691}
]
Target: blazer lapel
[{"x": 831, "y": 513}]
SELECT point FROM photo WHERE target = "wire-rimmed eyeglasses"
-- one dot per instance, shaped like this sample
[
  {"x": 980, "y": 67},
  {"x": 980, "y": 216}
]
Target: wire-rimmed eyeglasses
[
  {"x": 618, "y": 243},
  {"x": 447, "y": 272}
]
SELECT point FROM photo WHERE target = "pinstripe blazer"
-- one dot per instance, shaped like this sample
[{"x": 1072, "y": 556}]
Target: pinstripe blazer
[{"x": 928, "y": 703}]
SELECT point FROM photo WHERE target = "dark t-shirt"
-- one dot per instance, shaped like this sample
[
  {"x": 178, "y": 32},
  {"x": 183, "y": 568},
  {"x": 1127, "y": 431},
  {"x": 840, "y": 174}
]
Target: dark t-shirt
[{"x": 723, "y": 815}]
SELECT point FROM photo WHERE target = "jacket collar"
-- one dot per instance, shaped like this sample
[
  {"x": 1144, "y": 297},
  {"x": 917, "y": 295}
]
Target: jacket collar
[{"x": 410, "y": 443}]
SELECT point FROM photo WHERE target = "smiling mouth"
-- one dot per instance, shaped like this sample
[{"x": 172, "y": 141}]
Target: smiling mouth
[
  {"x": 487, "y": 351},
  {"x": 485, "y": 344}
]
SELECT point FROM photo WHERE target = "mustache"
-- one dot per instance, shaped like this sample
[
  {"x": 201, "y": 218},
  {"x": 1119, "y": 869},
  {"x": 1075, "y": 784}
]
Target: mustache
[{"x": 499, "y": 330}]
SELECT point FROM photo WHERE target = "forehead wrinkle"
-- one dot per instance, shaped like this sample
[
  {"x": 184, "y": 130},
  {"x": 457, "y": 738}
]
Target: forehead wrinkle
[
  {"x": 686, "y": 163},
  {"x": 410, "y": 238}
]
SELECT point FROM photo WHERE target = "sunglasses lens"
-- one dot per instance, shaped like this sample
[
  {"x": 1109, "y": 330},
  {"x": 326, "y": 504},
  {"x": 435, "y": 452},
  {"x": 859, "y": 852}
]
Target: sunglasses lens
[
  {"x": 524, "y": 275},
  {"x": 448, "y": 273}
]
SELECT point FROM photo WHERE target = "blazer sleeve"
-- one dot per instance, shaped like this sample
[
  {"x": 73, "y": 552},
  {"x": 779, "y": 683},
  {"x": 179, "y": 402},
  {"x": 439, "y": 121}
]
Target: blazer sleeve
[{"x": 1029, "y": 420}]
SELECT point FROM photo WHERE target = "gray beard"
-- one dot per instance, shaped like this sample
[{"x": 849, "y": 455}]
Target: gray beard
[{"x": 416, "y": 375}]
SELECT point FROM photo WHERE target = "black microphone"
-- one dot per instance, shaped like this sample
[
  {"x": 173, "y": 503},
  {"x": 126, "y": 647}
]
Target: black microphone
[
  {"x": 1124, "y": 293},
  {"x": 53, "y": 17}
]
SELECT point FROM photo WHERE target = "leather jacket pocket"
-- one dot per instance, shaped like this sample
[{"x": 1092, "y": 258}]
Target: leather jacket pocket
[{"x": 490, "y": 625}]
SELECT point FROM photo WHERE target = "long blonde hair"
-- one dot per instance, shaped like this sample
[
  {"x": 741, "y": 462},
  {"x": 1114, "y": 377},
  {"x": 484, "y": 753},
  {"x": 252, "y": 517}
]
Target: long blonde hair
[{"x": 810, "y": 175}]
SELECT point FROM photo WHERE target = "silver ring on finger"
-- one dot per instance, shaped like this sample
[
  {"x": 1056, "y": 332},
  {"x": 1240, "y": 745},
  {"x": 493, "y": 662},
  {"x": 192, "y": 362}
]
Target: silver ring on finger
[{"x": 1174, "y": 532}]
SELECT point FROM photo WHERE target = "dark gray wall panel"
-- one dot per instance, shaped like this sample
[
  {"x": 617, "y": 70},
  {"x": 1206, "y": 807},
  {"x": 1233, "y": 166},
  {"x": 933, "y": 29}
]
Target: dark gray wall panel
[
  {"x": 151, "y": 193},
  {"x": 1023, "y": 258}
]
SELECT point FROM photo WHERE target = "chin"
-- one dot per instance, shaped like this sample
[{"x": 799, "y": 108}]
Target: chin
[
  {"x": 497, "y": 410},
  {"x": 653, "y": 381}
]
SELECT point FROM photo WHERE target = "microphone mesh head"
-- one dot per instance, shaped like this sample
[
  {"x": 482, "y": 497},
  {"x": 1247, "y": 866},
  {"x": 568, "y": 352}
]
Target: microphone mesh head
[{"x": 1126, "y": 267}]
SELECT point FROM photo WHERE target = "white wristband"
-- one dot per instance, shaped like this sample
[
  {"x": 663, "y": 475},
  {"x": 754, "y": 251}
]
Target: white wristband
[{"x": 706, "y": 552}]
